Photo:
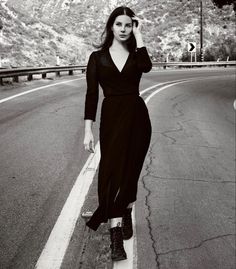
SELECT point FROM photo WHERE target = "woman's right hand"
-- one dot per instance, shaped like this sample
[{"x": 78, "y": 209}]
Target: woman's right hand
[
  {"x": 137, "y": 25},
  {"x": 89, "y": 141}
]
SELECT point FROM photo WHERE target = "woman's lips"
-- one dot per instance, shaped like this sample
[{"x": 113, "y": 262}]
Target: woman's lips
[{"x": 122, "y": 35}]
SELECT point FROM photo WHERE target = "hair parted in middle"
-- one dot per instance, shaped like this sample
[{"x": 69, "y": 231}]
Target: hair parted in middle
[{"x": 107, "y": 35}]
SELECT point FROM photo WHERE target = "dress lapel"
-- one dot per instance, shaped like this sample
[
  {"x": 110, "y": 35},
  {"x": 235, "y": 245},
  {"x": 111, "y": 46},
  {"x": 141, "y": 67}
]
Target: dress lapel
[{"x": 113, "y": 63}]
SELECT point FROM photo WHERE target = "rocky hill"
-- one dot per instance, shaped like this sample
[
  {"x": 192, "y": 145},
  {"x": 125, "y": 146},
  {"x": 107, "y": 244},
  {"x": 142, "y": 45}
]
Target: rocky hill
[{"x": 35, "y": 32}]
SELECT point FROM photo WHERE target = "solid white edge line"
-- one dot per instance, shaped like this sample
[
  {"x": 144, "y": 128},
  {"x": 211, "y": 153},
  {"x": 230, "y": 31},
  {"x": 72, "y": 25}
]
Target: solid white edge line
[
  {"x": 161, "y": 89},
  {"x": 58, "y": 241},
  {"x": 55, "y": 248},
  {"x": 178, "y": 80},
  {"x": 129, "y": 247},
  {"x": 35, "y": 89},
  {"x": 158, "y": 84},
  {"x": 51, "y": 85},
  {"x": 131, "y": 244},
  {"x": 53, "y": 253},
  {"x": 135, "y": 249}
]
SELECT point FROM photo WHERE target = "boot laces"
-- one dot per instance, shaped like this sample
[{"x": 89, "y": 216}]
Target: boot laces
[{"x": 117, "y": 241}]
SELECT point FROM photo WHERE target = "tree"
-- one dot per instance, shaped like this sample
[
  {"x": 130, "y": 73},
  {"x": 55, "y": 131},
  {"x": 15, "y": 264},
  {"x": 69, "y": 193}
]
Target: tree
[{"x": 221, "y": 3}]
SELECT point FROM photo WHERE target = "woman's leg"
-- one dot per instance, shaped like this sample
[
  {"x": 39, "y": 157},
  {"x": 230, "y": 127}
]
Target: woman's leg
[
  {"x": 117, "y": 248},
  {"x": 115, "y": 222},
  {"x": 127, "y": 226}
]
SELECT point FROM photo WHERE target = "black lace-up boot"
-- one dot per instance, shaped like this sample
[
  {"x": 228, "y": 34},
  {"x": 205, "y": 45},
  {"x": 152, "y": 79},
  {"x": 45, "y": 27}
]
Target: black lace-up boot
[
  {"x": 127, "y": 228},
  {"x": 117, "y": 248}
]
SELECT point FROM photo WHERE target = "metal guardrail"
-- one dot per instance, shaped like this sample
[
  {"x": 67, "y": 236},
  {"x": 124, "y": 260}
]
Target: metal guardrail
[
  {"x": 15, "y": 73},
  {"x": 30, "y": 71},
  {"x": 193, "y": 64}
]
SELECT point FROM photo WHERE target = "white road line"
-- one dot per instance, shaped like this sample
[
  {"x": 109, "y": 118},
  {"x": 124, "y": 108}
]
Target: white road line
[
  {"x": 35, "y": 89},
  {"x": 58, "y": 241},
  {"x": 163, "y": 88},
  {"x": 167, "y": 82},
  {"x": 131, "y": 261},
  {"x": 47, "y": 86},
  {"x": 174, "y": 81},
  {"x": 155, "y": 70},
  {"x": 131, "y": 245},
  {"x": 158, "y": 84}
]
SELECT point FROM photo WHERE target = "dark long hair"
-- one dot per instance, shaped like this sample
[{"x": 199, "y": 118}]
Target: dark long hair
[{"x": 107, "y": 35}]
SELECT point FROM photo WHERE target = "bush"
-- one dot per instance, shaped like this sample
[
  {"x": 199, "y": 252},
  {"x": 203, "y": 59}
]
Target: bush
[{"x": 221, "y": 49}]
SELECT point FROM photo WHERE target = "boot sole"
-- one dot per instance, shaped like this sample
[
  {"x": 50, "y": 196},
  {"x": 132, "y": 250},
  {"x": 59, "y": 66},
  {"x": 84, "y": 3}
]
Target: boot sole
[
  {"x": 119, "y": 259},
  {"x": 127, "y": 238}
]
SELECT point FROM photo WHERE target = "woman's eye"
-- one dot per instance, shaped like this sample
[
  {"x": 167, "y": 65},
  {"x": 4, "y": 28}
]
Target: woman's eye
[{"x": 127, "y": 25}]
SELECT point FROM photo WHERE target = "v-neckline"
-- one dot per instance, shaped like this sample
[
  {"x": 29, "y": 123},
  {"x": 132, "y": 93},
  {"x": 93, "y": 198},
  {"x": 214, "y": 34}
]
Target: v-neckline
[{"x": 115, "y": 64}]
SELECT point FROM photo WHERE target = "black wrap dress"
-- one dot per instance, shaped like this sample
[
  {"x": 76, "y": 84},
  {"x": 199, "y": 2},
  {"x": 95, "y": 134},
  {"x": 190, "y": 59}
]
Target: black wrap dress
[{"x": 124, "y": 132}]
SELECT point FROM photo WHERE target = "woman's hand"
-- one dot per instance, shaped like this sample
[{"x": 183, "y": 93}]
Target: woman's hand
[
  {"x": 136, "y": 31},
  {"x": 136, "y": 25},
  {"x": 89, "y": 141}
]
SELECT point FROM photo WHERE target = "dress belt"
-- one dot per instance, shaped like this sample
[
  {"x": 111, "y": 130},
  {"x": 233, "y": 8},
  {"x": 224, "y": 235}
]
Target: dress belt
[{"x": 123, "y": 94}]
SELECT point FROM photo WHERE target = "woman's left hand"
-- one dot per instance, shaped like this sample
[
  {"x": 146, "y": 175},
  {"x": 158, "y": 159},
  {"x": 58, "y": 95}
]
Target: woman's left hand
[{"x": 136, "y": 25}]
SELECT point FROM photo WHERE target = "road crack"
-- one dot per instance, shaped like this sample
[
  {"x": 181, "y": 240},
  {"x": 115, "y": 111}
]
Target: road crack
[
  {"x": 192, "y": 179},
  {"x": 147, "y": 169},
  {"x": 196, "y": 246},
  {"x": 176, "y": 108},
  {"x": 172, "y": 131},
  {"x": 198, "y": 146}
]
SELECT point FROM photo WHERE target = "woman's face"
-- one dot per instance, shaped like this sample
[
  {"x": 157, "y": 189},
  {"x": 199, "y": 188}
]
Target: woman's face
[{"x": 122, "y": 28}]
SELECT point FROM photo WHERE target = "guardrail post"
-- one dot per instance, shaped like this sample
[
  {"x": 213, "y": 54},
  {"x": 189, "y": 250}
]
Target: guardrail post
[
  {"x": 58, "y": 74},
  {"x": 83, "y": 71},
  {"x": 70, "y": 72},
  {"x": 44, "y": 75},
  {"x": 15, "y": 79},
  {"x": 30, "y": 77},
  {"x": 1, "y": 81}
]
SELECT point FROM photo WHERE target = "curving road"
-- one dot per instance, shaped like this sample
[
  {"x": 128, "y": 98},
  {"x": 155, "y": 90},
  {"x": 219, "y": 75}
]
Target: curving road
[{"x": 185, "y": 208}]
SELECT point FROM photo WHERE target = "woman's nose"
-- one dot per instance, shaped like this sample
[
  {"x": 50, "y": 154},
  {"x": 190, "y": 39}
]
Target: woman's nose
[{"x": 123, "y": 28}]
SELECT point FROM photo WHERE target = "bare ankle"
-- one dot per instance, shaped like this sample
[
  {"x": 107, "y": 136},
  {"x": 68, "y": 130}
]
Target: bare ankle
[{"x": 115, "y": 222}]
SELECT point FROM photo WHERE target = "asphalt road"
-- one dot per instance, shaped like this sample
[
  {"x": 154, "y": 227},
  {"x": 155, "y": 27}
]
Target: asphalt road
[
  {"x": 185, "y": 209},
  {"x": 187, "y": 189}
]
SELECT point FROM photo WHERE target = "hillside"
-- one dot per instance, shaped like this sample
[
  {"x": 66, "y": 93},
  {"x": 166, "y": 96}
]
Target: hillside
[{"x": 35, "y": 32}]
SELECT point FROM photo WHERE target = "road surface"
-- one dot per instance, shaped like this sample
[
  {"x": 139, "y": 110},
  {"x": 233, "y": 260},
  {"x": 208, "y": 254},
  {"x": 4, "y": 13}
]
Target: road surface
[{"x": 185, "y": 209}]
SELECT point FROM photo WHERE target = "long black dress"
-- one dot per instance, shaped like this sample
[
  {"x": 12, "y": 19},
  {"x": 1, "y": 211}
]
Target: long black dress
[{"x": 125, "y": 129}]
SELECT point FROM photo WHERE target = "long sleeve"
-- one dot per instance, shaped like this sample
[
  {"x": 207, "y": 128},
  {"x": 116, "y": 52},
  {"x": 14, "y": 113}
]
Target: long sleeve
[
  {"x": 92, "y": 94},
  {"x": 143, "y": 60}
]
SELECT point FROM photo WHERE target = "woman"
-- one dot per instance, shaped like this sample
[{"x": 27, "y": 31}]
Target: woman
[{"x": 125, "y": 128}]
